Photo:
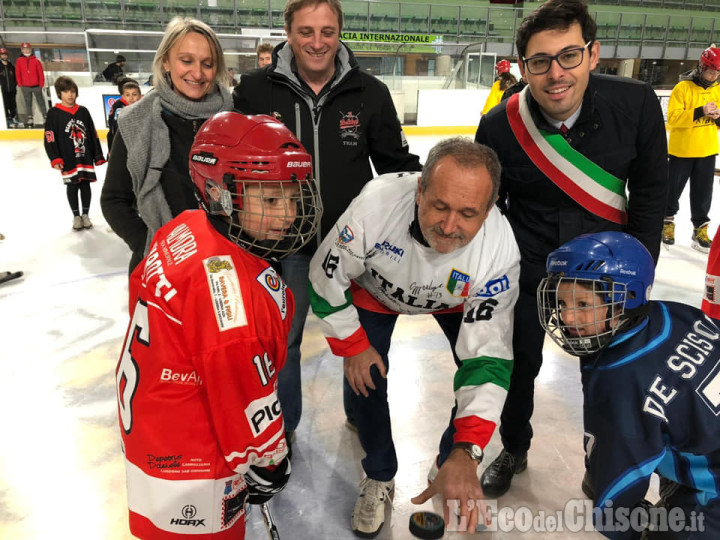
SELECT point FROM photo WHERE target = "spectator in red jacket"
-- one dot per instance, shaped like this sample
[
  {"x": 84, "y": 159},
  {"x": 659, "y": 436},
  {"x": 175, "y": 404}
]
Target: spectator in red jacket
[{"x": 30, "y": 80}]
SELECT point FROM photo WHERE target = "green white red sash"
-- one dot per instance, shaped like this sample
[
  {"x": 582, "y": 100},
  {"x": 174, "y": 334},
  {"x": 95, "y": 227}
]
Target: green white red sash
[{"x": 585, "y": 182}]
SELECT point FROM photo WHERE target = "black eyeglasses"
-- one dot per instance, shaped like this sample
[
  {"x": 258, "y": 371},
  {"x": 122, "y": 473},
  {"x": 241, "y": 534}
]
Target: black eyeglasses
[{"x": 568, "y": 59}]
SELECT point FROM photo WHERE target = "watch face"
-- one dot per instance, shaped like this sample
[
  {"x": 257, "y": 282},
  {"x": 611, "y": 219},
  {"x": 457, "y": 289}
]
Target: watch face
[{"x": 473, "y": 450}]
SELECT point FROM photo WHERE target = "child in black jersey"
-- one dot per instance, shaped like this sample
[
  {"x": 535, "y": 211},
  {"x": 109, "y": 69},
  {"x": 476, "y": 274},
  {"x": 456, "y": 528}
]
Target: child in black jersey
[{"x": 73, "y": 147}]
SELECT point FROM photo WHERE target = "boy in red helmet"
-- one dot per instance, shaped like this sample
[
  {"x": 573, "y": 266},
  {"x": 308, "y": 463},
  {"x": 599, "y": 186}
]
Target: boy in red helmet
[
  {"x": 692, "y": 117},
  {"x": 200, "y": 419},
  {"x": 504, "y": 81}
]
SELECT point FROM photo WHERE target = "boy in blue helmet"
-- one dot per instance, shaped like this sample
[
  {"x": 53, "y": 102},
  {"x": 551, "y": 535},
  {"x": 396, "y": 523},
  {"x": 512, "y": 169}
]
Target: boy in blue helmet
[{"x": 651, "y": 385}]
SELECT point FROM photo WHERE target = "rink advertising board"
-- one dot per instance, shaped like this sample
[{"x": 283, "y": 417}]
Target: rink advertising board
[{"x": 108, "y": 100}]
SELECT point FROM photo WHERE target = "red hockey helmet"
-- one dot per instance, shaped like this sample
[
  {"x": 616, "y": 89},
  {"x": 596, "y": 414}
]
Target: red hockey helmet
[
  {"x": 503, "y": 66},
  {"x": 25, "y": 45},
  {"x": 3, "y": 50},
  {"x": 254, "y": 170},
  {"x": 710, "y": 58}
]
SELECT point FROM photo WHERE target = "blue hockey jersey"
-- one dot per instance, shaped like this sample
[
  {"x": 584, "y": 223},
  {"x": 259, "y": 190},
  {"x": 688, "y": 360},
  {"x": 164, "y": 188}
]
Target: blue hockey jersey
[{"x": 652, "y": 400}]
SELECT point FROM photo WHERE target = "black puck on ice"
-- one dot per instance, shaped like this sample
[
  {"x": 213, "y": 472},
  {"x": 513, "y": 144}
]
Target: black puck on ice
[{"x": 427, "y": 525}]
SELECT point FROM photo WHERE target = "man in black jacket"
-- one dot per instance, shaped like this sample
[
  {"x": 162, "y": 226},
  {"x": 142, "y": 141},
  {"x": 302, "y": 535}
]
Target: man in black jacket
[
  {"x": 8, "y": 84},
  {"x": 344, "y": 118},
  {"x": 586, "y": 141},
  {"x": 114, "y": 71}
]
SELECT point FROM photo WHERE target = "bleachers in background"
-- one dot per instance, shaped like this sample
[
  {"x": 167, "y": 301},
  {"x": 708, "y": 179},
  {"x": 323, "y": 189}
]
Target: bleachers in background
[{"x": 675, "y": 23}]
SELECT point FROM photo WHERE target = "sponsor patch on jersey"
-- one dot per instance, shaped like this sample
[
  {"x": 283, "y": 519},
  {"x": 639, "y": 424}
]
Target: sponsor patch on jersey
[
  {"x": 346, "y": 235},
  {"x": 233, "y": 503},
  {"x": 189, "y": 518},
  {"x": 180, "y": 377},
  {"x": 392, "y": 251},
  {"x": 263, "y": 412},
  {"x": 458, "y": 284},
  {"x": 494, "y": 287},
  {"x": 272, "y": 283},
  {"x": 225, "y": 292}
]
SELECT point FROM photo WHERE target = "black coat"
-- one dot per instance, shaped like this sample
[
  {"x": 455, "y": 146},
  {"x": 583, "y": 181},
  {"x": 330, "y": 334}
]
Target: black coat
[
  {"x": 621, "y": 129},
  {"x": 350, "y": 123},
  {"x": 117, "y": 199},
  {"x": 112, "y": 72},
  {"x": 8, "y": 83}
]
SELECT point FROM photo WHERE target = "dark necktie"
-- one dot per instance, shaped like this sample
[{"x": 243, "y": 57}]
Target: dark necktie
[{"x": 564, "y": 130}]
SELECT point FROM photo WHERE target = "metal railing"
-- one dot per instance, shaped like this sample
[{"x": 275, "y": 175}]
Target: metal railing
[{"x": 650, "y": 33}]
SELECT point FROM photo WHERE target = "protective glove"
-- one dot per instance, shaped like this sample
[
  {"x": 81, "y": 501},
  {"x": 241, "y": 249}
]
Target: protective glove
[{"x": 264, "y": 482}]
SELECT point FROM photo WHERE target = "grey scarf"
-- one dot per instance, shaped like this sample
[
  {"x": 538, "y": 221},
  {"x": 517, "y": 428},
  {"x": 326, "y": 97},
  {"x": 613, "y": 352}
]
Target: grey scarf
[{"x": 147, "y": 140}]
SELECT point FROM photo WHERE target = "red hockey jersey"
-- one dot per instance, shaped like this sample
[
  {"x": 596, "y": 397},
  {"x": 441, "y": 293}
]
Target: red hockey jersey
[{"x": 197, "y": 381}]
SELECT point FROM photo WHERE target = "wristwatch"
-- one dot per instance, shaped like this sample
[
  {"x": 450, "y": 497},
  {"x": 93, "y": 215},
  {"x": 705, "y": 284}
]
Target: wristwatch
[{"x": 473, "y": 450}]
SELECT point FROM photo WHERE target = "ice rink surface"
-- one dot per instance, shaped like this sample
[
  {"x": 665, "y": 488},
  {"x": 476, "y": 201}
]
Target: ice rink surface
[{"x": 62, "y": 325}]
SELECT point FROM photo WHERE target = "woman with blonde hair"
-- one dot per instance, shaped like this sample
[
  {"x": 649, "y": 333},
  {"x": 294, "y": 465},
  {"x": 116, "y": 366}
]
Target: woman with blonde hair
[{"x": 148, "y": 180}]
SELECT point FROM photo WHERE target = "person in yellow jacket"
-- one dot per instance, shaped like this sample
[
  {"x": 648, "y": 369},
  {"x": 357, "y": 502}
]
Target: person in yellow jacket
[
  {"x": 693, "y": 117},
  {"x": 504, "y": 81}
]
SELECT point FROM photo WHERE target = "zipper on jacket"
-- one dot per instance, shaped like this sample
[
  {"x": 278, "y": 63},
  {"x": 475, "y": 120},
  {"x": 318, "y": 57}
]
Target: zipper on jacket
[
  {"x": 298, "y": 124},
  {"x": 316, "y": 112}
]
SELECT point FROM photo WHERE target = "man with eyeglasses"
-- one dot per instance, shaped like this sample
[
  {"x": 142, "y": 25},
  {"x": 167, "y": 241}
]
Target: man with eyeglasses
[{"x": 580, "y": 153}]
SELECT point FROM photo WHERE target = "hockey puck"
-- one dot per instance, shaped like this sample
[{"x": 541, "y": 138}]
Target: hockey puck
[{"x": 427, "y": 525}]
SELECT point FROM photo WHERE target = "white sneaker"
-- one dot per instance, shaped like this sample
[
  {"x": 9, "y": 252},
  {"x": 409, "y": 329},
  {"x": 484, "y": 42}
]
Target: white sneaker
[
  {"x": 86, "y": 221},
  {"x": 368, "y": 516},
  {"x": 77, "y": 223}
]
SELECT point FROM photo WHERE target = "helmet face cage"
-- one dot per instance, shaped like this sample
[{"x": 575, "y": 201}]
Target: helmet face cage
[
  {"x": 271, "y": 219},
  {"x": 253, "y": 171},
  {"x": 581, "y": 324}
]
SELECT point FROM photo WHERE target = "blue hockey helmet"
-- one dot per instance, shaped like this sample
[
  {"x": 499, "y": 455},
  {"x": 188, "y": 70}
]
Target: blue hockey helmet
[{"x": 616, "y": 268}]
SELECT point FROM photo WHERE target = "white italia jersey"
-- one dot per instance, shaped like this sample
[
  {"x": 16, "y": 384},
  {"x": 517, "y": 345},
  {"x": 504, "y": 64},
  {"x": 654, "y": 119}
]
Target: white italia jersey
[{"x": 376, "y": 259}]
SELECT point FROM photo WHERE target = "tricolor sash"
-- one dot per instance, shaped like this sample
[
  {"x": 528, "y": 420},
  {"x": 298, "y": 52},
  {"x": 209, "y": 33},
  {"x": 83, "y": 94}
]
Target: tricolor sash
[{"x": 585, "y": 182}]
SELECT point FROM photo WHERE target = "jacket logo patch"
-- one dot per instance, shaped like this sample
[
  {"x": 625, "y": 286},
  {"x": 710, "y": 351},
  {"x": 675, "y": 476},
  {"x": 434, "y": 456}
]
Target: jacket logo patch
[
  {"x": 272, "y": 283},
  {"x": 225, "y": 292},
  {"x": 458, "y": 284},
  {"x": 349, "y": 128}
]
